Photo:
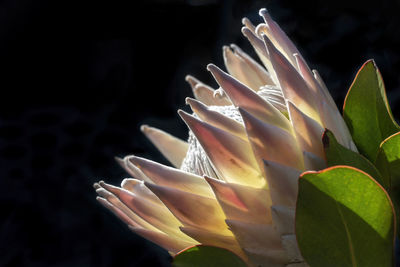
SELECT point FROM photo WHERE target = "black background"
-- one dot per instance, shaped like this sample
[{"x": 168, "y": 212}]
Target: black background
[{"x": 78, "y": 78}]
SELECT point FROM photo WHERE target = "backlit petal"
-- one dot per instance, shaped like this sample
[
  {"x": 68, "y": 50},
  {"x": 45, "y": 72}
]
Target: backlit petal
[
  {"x": 279, "y": 37},
  {"x": 174, "y": 149},
  {"x": 260, "y": 242},
  {"x": 283, "y": 183},
  {"x": 171, "y": 177},
  {"x": 207, "y": 214},
  {"x": 242, "y": 96},
  {"x": 241, "y": 70},
  {"x": 308, "y": 131},
  {"x": 293, "y": 86},
  {"x": 241, "y": 202},
  {"x": 205, "y": 93},
  {"x": 217, "y": 119},
  {"x": 283, "y": 218},
  {"x": 231, "y": 156},
  {"x": 272, "y": 143}
]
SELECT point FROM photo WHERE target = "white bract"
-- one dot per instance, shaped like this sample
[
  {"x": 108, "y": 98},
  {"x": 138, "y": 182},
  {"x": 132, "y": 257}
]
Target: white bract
[{"x": 234, "y": 183}]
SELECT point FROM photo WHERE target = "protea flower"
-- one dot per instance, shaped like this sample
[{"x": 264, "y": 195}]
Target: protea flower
[{"x": 234, "y": 182}]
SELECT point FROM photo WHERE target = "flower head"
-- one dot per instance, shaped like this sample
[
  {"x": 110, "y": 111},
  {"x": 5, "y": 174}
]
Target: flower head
[{"x": 234, "y": 182}]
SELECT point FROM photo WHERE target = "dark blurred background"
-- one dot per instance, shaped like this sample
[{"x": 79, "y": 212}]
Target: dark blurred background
[{"x": 77, "y": 78}]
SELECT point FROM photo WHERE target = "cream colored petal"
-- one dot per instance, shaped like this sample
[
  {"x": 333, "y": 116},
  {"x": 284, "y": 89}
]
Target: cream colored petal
[
  {"x": 113, "y": 203},
  {"x": 155, "y": 214},
  {"x": 324, "y": 89},
  {"x": 239, "y": 68},
  {"x": 138, "y": 189},
  {"x": 241, "y": 202},
  {"x": 289, "y": 242},
  {"x": 308, "y": 131},
  {"x": 172, "y": 148},
  {"x": 193, "y": 81},
  {"x": 246, "y": 22},
  {"x": 242, "y": 96},
  {"x": 170, "y": 243},
  {"x": 306, "y": 73},
  {"x": 217, "y": 119},
  {"x": 272, "y": 143},
  {"x": 283, "y": 218},
  {"x": 332, "y": 120},
  {"x": 283, "y": 183},
  {"x": 261, "y": 51},
  {"x": 261, "y": 243},
  {"x": 254, "y": 235},
  {"x": 231, "y": 157},
  {"x": 279, "y": 37},
  {"x": 130, "y": 184},
  {"x": 261, "y": 72},
  {"x": 313, "y": 162},
  {"x": 293, "y": 86},
  {"x": 171, "y": 177},
  {"x": 205, "y": 93},
  {"x": 315, "y": 82},
  {"x": 132, "y": 169},
  {"x": 191, "y": 209}
]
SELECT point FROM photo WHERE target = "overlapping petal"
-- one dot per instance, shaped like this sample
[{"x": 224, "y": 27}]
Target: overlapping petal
[{"x": 249, "y": 141}]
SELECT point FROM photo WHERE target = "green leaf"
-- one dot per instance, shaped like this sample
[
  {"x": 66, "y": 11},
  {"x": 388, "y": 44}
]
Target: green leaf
[
  {"x": 336, "y": 154},
  {"x": 344, "y": 218},
  {"x": 207, "y": 256},
  {"x": 388, "y": 162},
  {"x": 367, "y": 112}
]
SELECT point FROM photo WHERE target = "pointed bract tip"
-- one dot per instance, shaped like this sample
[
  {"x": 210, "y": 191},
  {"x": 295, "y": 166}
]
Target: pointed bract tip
[
  {"x": 100, "y": 199},
  {"x": 188, "y": 77},
  {"x": 263, "y": 11},
  {"x": 96, "y": 185},
  {"x": 245, "y": 21},
  {"x": 187, "y": 101},
  {"x": 134, "y": 160},
  {"x": 211, "y": 67},
  {"x": 184, "y": 115},
  {"x": 130, "y": 181},
  {"x": 246, "y": 31},
  {"x": 190, "y": 101},
  {"x": 265, "y": 14},
  {"x": 260, "y": 29},
  {"x": 192, "y": 80},
  {"x": 235, "y": 48},
  {"x": 118, "y": 159},
  {"x": 244, "y": 113},
  {"x": 144, "y": 128},
  {"x": 219, "y": 93},
  {"x": 180, "y": 112},
  {"x": 133, "y": 228}
]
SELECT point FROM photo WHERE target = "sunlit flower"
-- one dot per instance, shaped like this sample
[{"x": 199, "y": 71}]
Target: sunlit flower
[{"x": 234, "y": 182}]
